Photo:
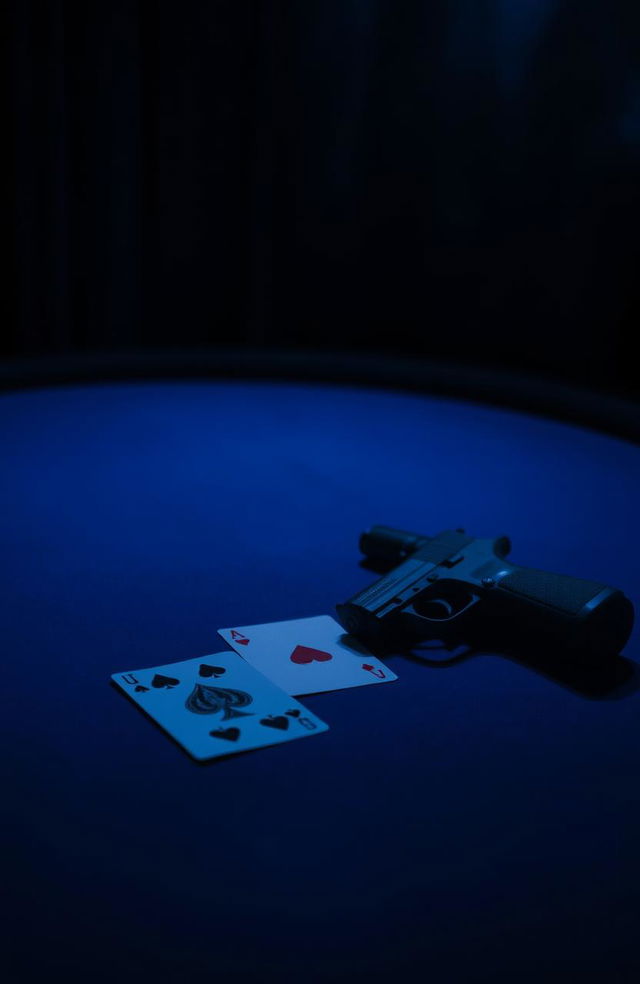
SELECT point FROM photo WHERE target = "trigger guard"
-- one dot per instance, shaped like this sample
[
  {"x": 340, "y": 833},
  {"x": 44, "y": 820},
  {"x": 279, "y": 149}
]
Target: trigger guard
[
  {"x": 453, "y": 613},
  {"x": 435, "y": 603}
]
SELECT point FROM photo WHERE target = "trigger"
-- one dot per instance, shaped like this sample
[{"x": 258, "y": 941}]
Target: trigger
[{"x": 436, "y": 608}]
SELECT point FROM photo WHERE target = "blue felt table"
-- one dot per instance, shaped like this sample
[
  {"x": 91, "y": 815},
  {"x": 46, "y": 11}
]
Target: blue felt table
[{"x": 474, "y": 822}]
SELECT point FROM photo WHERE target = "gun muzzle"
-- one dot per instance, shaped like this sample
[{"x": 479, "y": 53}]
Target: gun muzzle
[{"x": 389, "y": 546}]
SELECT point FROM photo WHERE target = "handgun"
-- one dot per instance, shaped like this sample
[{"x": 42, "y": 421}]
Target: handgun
[{"x": 459, "y": 589}]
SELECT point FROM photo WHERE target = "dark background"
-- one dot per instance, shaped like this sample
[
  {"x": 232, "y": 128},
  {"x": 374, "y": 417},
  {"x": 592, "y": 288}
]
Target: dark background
[{"x": 454, "y": 179}]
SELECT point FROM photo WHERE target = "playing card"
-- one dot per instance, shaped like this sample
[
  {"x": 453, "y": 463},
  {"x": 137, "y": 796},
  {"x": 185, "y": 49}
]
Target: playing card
[
  {"x": 218, "y": 705},
  {"x": 307, "y": 655}
]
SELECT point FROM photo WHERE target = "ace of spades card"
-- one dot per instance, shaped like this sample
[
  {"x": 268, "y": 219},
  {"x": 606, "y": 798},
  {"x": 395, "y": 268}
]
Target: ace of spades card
[{"x": 218, "y": 705}]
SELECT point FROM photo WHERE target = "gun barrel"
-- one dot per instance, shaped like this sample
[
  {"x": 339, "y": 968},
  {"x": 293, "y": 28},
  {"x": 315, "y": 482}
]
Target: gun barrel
[{"x": 382, "y": 543}]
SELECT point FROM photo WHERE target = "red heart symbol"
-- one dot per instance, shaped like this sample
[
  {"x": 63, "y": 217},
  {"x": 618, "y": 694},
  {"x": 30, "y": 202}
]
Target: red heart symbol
[{"x": 304, "y": 654}]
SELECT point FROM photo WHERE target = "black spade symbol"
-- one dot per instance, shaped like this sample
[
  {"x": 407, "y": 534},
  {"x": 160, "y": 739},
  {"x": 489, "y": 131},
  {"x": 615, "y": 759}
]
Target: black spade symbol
[
  {"x": 231, "y": 734},
  {"x": 140, "y": 689},
  {"x": 295, "y": 713},
  {"x": 205, "y": 699},
  {"x": 159, "y": 681},
  {"x": 211, "y": 671},
  {"x": 279, "y": 722}
]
